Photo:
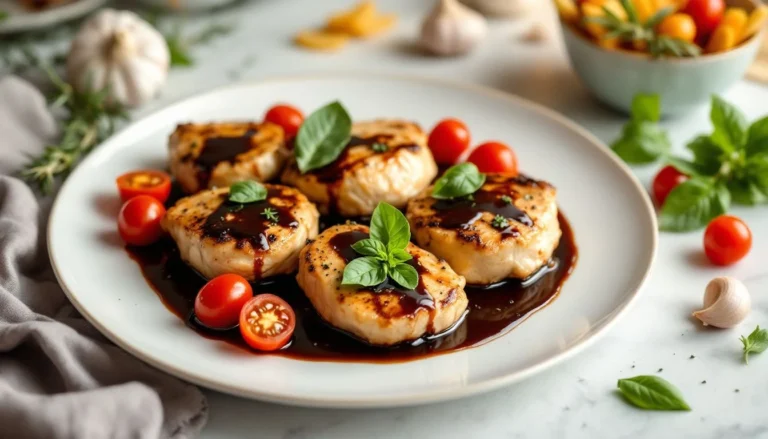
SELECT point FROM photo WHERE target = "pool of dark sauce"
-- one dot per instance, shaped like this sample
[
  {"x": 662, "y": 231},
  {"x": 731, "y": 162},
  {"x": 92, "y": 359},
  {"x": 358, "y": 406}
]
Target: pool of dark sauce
[{"x": 493, "y": 310}]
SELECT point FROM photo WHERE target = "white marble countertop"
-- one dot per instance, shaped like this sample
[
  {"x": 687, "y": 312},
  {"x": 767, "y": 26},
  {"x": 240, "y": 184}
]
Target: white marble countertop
[{"x": 576, "y": 399}]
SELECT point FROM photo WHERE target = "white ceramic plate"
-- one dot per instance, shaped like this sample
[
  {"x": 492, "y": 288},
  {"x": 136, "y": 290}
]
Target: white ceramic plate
[
  {"x": 613, "y": 221},
  {"x": 22, "y": 20}
]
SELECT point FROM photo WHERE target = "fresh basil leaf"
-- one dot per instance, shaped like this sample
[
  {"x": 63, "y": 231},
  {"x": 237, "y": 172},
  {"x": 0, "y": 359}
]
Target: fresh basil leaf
[
  {"x": 371, "y": 247},
  {"x": 692, "y": 204},
  {"x": 641, "y": 142},
  {"x": 389, "y": 226},
  {"x": 757, "y": 138},
  {"x": 322, "y": 137},
  {"x": 366, "y": 271},
  {"x": 707, "y": 155},
  {"x": 652, "y": 393},
  {"x": 757, "y": 169},
  {"x": 398, "y": 256},
  {"x": 687, "y": 167},
  {"x": 756, "y": 342},
  {"x": 247, "y": 192},
  {"x": 405, "y": 275},
  {"x": 747, "y": 192},
  {"x": 730, "y": 125},
  {"x": 646, "y": 108},
  {"x": 458, "y": 181}
]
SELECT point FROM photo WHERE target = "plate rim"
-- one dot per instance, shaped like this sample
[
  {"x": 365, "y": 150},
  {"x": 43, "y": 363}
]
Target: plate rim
[{"x": 421, "y": 397}]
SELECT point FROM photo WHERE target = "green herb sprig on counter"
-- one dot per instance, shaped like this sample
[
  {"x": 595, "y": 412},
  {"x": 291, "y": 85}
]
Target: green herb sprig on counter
[
  {"x": 322, "y": 137},
  {"x": 458, "y": 181},
  {"x": 754, "y": 343},
  {"x": 179, "y": 45},
  {"x": 248, "y": 191},
  {"x": 384, "y": 253},
  {"x": 4, "y": 15},
  {"x": 652, "y": 393},
  {"x": 642, "y": 139}
]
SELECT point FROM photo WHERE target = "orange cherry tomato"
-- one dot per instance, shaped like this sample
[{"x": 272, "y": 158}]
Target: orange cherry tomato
[
  {"x": 727, "y": 240},
  {"x": 267, "y": 322},
  {"x": 666, "y": 180},
  {"x": 448, "y": 141},
  {"x": 494, "y": 157},
  {"x": 156, "y": 184},
  {"x": 288, "y": 117},
  {"x": 680, "y": 26},
  {"x": 139, "y": 220},
  {"x": 219, "y": 302}
]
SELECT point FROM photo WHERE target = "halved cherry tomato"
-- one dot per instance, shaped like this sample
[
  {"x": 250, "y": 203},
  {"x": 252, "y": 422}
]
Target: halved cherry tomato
[
  {"x": 219, "y": 302},
  {"x": 448, "y": 141},
  {"x": 494, "y": 157},
  {"x": 139, "y": 220},
  {"x": 707, "y": 14},
  {"x": 288, "y": 117},
  {"x": 680, "y": 26},
  {"x": 267, "y": 322},
  {"x": 666, "y": 180},
  {"x": 727, "y": 240},
  {"x": 156, "y": 184}
]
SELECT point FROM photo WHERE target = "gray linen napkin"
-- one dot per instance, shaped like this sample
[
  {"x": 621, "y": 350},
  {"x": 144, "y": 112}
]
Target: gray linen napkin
[{"x": 59, "y": 378}]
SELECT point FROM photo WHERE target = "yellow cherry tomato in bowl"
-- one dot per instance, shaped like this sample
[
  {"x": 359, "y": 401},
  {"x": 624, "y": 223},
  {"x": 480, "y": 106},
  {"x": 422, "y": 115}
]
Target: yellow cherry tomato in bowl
[{"x": 680, "y": 26}]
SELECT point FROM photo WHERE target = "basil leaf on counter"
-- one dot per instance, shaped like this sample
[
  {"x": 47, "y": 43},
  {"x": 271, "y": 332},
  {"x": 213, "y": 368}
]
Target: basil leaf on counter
[
  {"x": 322, "y": 137},
  {"x": 756, "y": 342},
  {"x": 757, "y": 138},
  {"x": 370, "y": 247},
  {"x": 692, "y": 204},
  {"x": 730, "y": 125},
  {"x": 389, "y": 226},
  {"x": 641, "y": 142},
  {"x": 405, "y": 275},
  {"x": 687, "y": 167},
  {"x": 247, "y": 192},
  {"x": 458, "y": 181},
  {"x": 652, "y": 393},
  {"x": 707, "y": 155},
  {"x": 646, "y": 108},
  {"x": 366, "y": 271}
]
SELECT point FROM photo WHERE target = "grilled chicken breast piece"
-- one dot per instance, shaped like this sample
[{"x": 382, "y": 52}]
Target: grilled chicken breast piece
[
  {"x": 521, "y": 241},
  {"x": 216, "y": 236},
  {"x": 211, "y": 155},
  {"x": 385, "y": 160},
  {"x": 387, "y": 314}
]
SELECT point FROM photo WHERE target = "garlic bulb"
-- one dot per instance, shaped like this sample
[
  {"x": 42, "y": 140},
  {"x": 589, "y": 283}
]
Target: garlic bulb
[
  {"x": 501, "y": 8},
  {"x": 120, "y": 51},
  {"x": 726, "y": 303},
  {"x": 452, "y": 28}
]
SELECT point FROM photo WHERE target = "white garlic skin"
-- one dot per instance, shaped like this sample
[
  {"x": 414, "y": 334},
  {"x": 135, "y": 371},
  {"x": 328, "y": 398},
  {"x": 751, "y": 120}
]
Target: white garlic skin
[
  {"x": 452, "y": 29},
  {"x": 726, "y": 303}
]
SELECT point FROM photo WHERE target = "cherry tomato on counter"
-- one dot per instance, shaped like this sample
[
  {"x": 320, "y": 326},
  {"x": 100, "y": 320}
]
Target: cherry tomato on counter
[
  {"x": 727, "y": 240},
  {"x": 288, "y": 117},
  {"x": 267, "y": 322},
  {"x": 448, "y": 141},
  {"x": 666, "y": 180},
  {"x": 493, "y": 157},
  {"x": 680, "y": 26},
  {"x": 219, "y": 302},
  {"x": 156, "y": 184},
  {"x": 139, "y": 220},
  {"x": 707, "y": 14}
]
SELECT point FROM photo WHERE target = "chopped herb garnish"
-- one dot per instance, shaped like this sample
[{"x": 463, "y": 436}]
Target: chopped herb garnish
[
  {"x": 499, "y": 222},
  {"x": 271, "y": 215},
  {"x": 379, "y": 147},
  {"x": 506, "y": 199}
]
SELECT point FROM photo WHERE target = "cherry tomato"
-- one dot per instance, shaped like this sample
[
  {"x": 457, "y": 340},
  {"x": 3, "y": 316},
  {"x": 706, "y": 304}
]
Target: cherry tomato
[
  {"x": 219, "y": 302},
  {"x": 706, "y": 14},
  {"x": 494, "y": 157},
  {"x": 666, "y": 180},
  {"x": 288, "y": 117},
  {"x": 727, "y": 240},
  {"x": 156, "y": 184},
  {"x": 139, "y": 220},
  {"x": 267, "y": 322},
  {"x": 680, "y": 26},
  {"x": 448, "y": 140}
]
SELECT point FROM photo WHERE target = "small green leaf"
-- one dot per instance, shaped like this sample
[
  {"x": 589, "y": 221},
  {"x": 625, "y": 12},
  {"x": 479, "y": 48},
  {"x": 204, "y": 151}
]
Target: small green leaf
[
  {"x": 730, "y": 125},
  {"x": 646, "y": 108},
  {"x": 4, "y": 15},
  {"x": 398, "y": 256},
  {"x": 652, "y": 393},
  {"x": 657, "y": 18},
  {"x": 371, "y": 247},
  {"x": 270, "y": 214},
  {"x": 687, "y": 167},
  {"x": 755, "y": 343},
  {"x": 405, "y": 275},
  {"x": 641, "y": 142},
  {"x": 692, "y": 204},
  {"x": 390, "y": 226},
  {"x": 179, "y": 52},
  {"x": 458, "y": 181},
  {"x": 631, "y": 11},
  {"x": 747, "y": 192},
  {"x": 707, "y": 155},
  {"x": 757, "y": 138},
  {"x": 367, "y": 271},
  {"x": 322, "y": 137},
  {"x": 247, "y": 192}
]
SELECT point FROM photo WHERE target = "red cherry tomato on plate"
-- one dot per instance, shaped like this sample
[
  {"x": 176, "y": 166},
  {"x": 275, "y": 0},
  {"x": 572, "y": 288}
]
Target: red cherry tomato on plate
[
  {"x": 267, "y": 322},
  {"x": 448, "y": 141},
  {"x": 288, "y": 117},
  {"x": 666, "y": 180},
  {"x": 139, "y": 220},
  {"x": 707, "y": 14},
  {"x": 727, "y": 240},
  {"x": 219, "y": 302},
  {"x": 156, "y": 184},
  {"x": 494, "y": 157}
]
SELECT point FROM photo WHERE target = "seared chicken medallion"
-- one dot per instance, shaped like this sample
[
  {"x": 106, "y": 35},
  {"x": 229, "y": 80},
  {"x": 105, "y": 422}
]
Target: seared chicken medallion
[
  {"x": 508, "y": 228},
  {"x": 255, "y": 240},
  {"x": 218, "y": 154},
  {"x": 386, "y": 314},
  {"x": 385, "y": 161}
]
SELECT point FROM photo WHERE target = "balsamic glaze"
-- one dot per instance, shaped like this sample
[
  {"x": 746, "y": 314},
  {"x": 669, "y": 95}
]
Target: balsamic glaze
[
  {"x": 220, "y": 149},
  {"x": 463, "y": 212}
]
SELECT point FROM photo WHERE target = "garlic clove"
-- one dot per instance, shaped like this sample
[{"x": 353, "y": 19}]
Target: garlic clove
[
  {"x": 726, "y": 303},
  {"x": 452, "y": 29}
]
